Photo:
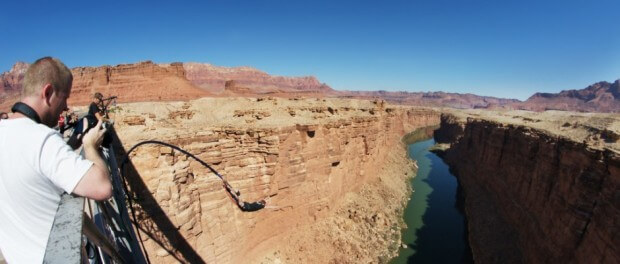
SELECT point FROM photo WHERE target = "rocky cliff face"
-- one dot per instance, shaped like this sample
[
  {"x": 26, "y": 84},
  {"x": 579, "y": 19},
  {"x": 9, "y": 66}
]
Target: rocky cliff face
[
  {"x": 213, "y": 79},
  {"x": 599, "y": 97},
  {"x": 537, "y": 195},
  {"x": 144, "y": 81},
  {"x": 334, "y": 173}
]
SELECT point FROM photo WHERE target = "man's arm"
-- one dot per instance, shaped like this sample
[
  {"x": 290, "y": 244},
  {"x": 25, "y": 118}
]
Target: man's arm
[{"x": 96, "y": 183}]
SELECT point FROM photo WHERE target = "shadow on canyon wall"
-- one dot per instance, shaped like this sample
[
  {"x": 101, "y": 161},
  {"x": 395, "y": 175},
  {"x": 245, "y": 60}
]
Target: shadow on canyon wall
[{"x": 151, "y": 217}]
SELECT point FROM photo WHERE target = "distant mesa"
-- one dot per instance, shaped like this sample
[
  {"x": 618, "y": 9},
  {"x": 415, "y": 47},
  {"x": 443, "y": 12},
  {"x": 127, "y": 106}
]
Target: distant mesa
[
  {"x": 213, "y": 79},
  {"x": 148, "y": 81}
]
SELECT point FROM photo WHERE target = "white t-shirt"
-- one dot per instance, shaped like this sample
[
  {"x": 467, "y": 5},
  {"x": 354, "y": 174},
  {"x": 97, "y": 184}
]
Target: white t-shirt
[{"x": 36, "y": 167}]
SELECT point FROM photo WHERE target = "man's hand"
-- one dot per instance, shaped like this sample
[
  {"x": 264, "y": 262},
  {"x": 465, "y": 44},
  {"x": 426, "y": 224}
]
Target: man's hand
[
  {"x": 94, "y": 136},
  {"x": 96, "y": 183}
]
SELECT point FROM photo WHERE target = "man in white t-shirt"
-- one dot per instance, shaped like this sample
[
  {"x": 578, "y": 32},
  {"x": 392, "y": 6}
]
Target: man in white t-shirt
[{"x": 37, "y": 166}]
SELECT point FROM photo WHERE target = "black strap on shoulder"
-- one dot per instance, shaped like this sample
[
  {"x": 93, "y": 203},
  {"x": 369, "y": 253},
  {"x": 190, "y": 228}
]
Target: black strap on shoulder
[{"x": 26, "y": 110}]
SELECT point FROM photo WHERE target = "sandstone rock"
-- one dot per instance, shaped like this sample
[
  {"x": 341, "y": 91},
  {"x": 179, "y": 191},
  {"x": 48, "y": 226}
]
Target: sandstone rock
[
  {"x": 290, "y": 160},
  {"x": 134, "y": 120},
  {"x": 532, "y": 196}
]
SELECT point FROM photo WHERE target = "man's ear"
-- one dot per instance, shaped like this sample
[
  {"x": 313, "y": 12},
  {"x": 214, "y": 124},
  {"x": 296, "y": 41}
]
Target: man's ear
[{"x": 47, "y": 92}]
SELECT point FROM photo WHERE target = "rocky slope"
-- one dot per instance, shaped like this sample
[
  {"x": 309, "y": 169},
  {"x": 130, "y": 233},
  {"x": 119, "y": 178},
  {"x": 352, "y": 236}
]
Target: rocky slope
[
  {"x": 539, "y": 188},
  {"x": 599, "y": 97},
  {"x": 334, "y": 173}
]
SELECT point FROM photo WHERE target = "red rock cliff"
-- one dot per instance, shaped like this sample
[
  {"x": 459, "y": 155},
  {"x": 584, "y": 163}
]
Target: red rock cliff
[
  {"x": 144, "y": 81},
  {"x": 536, "y": 197}
]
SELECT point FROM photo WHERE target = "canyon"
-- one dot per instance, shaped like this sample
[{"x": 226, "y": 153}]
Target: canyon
[
  {"x": 333, "y": 172},
  {"x": 539, "y": 187},
  {"x": 332, "y": 165}
]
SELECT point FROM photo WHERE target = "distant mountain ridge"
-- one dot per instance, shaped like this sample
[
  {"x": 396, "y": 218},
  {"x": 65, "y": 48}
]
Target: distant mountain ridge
[
  {"x": 249, "y": 81},
  {"x": 453, "y": 100},
  {"x": 598, "y": 97},
  {"x": 148, "y": 81}
]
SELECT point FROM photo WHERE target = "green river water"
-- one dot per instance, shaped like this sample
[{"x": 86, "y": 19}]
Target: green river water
[{"x": 436, "y": 230}]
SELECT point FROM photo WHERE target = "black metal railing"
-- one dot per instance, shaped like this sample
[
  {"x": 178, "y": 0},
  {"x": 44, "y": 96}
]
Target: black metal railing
[{"x": 88, "y": 231}]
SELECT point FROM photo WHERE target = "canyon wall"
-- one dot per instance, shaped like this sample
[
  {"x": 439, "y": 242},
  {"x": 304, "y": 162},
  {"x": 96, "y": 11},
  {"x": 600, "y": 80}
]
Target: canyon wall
[
  {"x": 333, "y": 172},
  {"x": 538, "y": 193}
]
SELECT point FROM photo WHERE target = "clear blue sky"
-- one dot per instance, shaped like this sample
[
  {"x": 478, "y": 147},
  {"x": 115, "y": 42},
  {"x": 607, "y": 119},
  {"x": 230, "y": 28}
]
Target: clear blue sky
[{"x": 497, "y": 48}]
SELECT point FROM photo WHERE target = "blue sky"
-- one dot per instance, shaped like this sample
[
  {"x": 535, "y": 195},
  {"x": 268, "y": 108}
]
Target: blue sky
[{"x": 496, "y": 48}]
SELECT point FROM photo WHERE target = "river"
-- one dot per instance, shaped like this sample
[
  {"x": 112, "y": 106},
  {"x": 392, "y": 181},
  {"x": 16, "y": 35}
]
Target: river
[{"x": 436, "y": 230}]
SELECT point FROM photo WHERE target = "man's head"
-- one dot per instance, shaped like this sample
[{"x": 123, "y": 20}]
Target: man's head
[
  {"x": 3, "y": 115},
  {"x": 46, "y": 87},
  {"x": 97, "y": 97}
]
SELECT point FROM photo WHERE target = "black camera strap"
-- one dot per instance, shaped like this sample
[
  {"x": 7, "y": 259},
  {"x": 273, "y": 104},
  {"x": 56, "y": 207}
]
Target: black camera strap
[{"x": 26, "y": 110}]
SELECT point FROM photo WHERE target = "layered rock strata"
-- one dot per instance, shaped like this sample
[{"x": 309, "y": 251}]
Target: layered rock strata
[
  {"x": 248, "y": 80},
  {"x": 538, "y": 190},
  {"x": 143, "y": 81},
  {"x": 333, "y": 172}
]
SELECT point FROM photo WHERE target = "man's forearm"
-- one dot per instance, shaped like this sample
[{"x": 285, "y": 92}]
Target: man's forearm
[{"x": 92, "y": 154}]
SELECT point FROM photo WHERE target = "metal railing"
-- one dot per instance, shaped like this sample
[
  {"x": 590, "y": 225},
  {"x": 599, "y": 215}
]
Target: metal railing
[{"x": 88, "y": 231}]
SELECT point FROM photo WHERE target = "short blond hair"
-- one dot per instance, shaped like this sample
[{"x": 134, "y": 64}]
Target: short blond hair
[{"x": 46, "y": 70}]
